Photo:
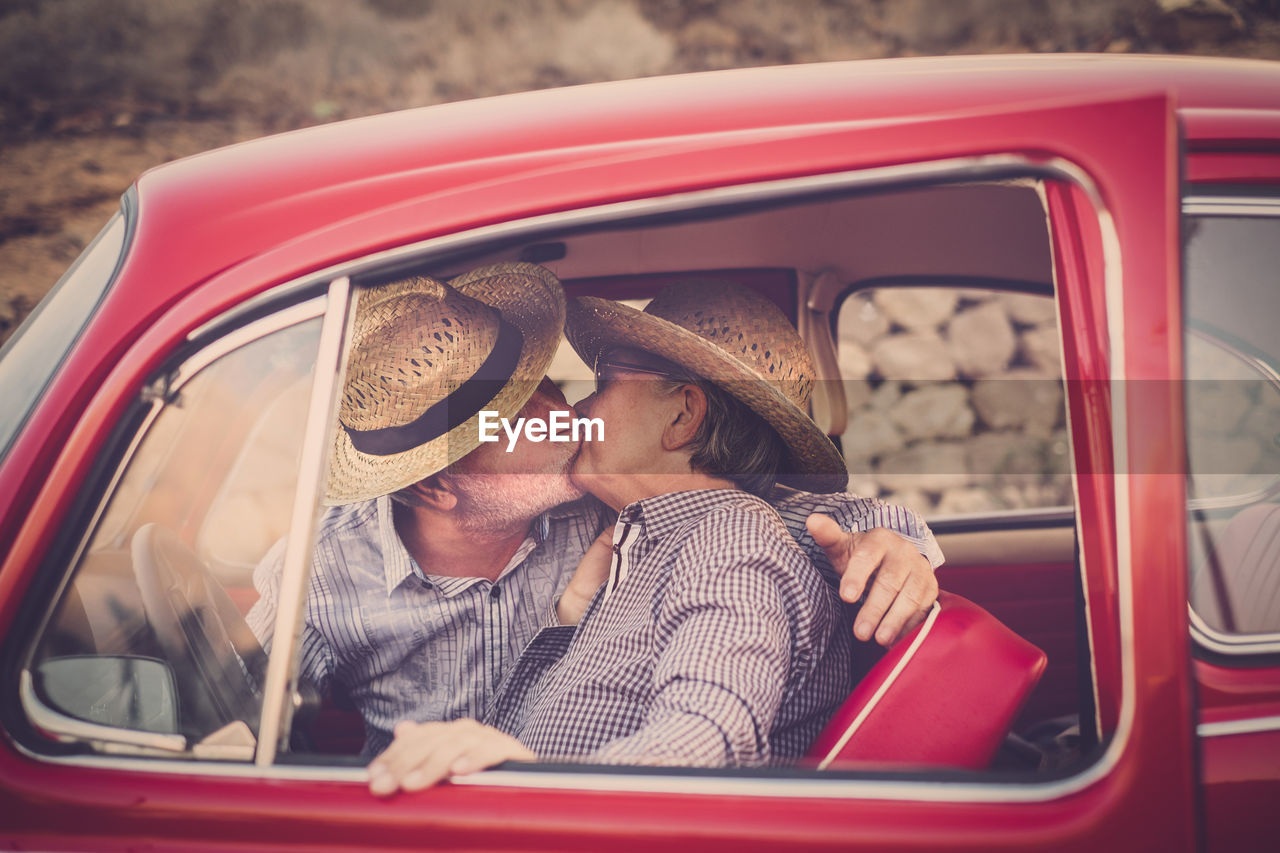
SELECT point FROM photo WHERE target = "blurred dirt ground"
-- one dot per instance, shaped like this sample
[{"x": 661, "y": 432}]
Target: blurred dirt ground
[{"x": 93, "y": 92}]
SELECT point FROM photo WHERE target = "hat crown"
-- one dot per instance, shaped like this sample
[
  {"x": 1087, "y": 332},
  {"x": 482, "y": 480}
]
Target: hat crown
[
  {"x": 411, "y": 350},
  {"x": 745, "y": 325}
]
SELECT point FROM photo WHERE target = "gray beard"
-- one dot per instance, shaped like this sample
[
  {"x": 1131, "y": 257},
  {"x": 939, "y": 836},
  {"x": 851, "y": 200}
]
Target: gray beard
[{"x": 491, "y": 503}]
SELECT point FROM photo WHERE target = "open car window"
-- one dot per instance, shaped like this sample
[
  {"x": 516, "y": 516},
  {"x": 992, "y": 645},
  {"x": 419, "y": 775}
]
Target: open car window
[
  {"x": 147, "y": 651},
  {"x": 955, "y": 399},
  {"x": 991, "y": 408}
]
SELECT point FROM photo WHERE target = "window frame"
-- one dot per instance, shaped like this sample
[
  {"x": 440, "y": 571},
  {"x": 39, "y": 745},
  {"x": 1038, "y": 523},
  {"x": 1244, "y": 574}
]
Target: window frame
[
  {"x": 1046, "y": 517},
  {"x": 1229, "y": 203},
  {"x": 152, "y": 399}
]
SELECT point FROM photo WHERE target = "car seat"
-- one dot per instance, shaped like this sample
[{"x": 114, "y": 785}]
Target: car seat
[{"x": 944, "y": 695}]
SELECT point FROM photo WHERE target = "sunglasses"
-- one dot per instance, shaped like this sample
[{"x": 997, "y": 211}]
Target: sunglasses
[{"x": 602, "y": 364}]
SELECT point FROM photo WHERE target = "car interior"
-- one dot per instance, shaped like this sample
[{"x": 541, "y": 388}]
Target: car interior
[{"x": 930, "y": 312}]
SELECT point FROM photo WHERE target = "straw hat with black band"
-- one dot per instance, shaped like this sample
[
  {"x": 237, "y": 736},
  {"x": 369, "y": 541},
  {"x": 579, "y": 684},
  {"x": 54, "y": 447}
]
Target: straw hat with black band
[
  {"x": 735, "y": 338},
  {"x": 425, "y": 359}
]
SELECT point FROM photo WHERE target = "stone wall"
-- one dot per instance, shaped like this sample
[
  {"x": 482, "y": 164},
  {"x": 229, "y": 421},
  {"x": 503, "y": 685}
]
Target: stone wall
[{"x": 955, "y": 399}]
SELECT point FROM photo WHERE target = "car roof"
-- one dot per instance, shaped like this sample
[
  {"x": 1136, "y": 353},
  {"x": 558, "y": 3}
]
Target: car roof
[{"x": 205, "y": 214}]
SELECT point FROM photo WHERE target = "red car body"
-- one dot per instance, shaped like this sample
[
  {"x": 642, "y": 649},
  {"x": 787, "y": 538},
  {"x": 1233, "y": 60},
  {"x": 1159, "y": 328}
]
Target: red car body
[{"x": 1191, "y": 749}]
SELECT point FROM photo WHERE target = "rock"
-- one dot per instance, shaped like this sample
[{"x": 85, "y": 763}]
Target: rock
[
  {"x": 913, "y": 499},
  {"x": 1215, "y": 406},
  {"x": 1019, "y": 400},
  {"x": 1202, "y": 20},
  {"x": 613, "y": 41},
  {"x": 914, "y": 357},
  {"x": 982, "y": 340},
  {"x": 1029, "y": 309},
  {"x": 936, "y": 411},
  {"x": 870, "y": 434},
  {"x": 1217, "y": 455},
  {"x": 966, "y": 501},
  {"x": 861, "y": 322},
  {"x": 1008, "y": 457},
  {"x": 883, "y": 397},
  {"x": 857, "y": 395},
  {"x": 1039, "y": 347},
  {"x": 862, "y": 484},
  {"x": 928, "y": 467},
  {"x": 853, "y": 360},
  {"x": 918, "y": 309},
  {"x": 1262, "y": 423}
]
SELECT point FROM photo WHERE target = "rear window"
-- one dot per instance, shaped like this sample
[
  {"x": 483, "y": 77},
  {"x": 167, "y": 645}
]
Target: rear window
[{"x": 1233, "y": 420}]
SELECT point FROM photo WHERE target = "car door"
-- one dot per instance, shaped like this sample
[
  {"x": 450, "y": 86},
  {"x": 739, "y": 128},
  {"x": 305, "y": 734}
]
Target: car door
[
  {"x": 1230, "y": 224},
  {"x": 1111, "y": 169}
]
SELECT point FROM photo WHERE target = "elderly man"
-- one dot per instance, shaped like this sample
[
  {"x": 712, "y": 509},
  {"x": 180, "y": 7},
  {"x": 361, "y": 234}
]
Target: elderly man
[
  {"x": 714, "y": 641},
  {"x": 445, "y": 555}
]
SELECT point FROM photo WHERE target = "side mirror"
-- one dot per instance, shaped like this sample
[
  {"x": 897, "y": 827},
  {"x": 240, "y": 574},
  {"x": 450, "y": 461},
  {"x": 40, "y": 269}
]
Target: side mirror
[
  {"x": 122, "y": 691},
  {"x": 118, "y": 702}
]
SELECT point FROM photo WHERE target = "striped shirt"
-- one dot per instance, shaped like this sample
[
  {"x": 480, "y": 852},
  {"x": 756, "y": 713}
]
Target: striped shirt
[
  {"x": 715, "y": 642},
  {"x": 404, "y": 645}
]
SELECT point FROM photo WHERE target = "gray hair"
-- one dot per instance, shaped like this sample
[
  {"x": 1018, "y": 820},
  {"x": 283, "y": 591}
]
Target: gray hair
[{"x": 732, "y": 441}]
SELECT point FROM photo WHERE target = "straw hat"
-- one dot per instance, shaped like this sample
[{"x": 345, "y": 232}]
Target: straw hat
[
  {"x": 425, "y": 359},
  {"x": 739, "y": 340}
]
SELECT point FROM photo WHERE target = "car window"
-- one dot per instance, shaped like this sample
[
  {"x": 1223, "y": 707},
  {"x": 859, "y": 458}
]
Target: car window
[
  {"x": 1232, "y": 364},
  {"x": 955, "y": 402},
  {"x": 149, "y": 635},
  {"x": 32, "y": 355},
  {"x": 966, "y": 380}
]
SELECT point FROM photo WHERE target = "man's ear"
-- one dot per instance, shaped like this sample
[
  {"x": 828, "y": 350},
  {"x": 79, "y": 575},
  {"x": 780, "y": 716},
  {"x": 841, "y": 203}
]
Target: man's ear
[
  {"x": 688, "y": 411},
  {"x": 435, "y": 492}
]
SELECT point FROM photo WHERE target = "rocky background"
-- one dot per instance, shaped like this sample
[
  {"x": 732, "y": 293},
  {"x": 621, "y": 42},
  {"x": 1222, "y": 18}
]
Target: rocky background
[
  {"x": 955, "y": 400},
  {"x": 93, "y": 92}
]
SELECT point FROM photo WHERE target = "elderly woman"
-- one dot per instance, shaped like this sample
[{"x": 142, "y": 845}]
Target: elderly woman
[{"x": 713, "y": 641}]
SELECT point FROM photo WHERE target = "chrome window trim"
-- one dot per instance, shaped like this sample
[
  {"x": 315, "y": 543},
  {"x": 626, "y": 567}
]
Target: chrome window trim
[
  {"x": 322, "y": 413},
  {"x": 987, "y": 791},
  {"x": 1205, "y": 636},
  {"x": 1250, "y": 725},
  {"x": 173, "y": 382},
  {"x": 1225, "y": 205},
  {"x": 1230, "y": 644}
]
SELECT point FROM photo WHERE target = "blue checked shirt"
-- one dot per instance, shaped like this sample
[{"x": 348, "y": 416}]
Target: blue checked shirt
[
  {"x": 408, "y": 646},
  {"x": 714, "y": 642}
]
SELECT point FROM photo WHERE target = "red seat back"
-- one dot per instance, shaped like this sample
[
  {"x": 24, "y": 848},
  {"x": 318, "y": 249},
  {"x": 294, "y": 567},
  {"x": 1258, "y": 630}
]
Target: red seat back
[{"x": 944, "y": 695}]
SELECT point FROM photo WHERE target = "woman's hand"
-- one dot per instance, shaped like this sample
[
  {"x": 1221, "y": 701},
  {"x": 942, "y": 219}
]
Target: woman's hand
[
  {"x": 423, "y": 754},
  {"x": 592, "y": 571}
]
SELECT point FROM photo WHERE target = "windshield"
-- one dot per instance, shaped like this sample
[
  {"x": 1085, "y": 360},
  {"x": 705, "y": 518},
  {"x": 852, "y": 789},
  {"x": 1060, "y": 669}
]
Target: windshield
[{"x": 31, "y": 357}]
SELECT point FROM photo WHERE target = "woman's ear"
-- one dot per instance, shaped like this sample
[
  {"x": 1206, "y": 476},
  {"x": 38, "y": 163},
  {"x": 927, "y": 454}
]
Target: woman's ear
[{"x": 689, "y": 409}]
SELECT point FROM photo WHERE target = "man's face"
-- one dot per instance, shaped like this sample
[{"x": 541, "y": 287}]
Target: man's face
[{"x": 497, "y": 488}]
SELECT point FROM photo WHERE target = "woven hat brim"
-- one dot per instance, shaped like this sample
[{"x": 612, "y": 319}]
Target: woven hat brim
[
  {"x": 529, "y": 297},
  {"x": 593, "y": 324}
]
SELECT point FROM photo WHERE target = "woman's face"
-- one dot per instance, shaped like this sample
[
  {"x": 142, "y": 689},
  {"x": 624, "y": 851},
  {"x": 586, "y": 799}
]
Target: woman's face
[{"x": 635, "y": 406}]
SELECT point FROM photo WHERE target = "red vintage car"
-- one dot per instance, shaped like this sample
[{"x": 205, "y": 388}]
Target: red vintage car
[{"x": 1108, "y": 227}]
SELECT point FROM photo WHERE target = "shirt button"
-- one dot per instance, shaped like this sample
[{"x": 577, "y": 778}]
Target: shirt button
[{"x": 495, "y": 593}]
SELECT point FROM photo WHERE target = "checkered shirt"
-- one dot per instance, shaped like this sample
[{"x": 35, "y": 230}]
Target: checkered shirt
[
  {"x": 404, "y": 645},
  {"x": 715, "y": 642}
]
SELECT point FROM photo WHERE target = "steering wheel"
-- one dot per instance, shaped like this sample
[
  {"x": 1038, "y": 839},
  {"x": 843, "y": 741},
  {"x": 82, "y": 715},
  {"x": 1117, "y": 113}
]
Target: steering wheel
[{"x": 217, "y": 661}]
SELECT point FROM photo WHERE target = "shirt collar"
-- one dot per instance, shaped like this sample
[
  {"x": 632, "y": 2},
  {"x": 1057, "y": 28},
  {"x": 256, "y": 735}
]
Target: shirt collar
[
  {"x": 662, "y": 514},
  {"x": 399, "y": 566}
]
